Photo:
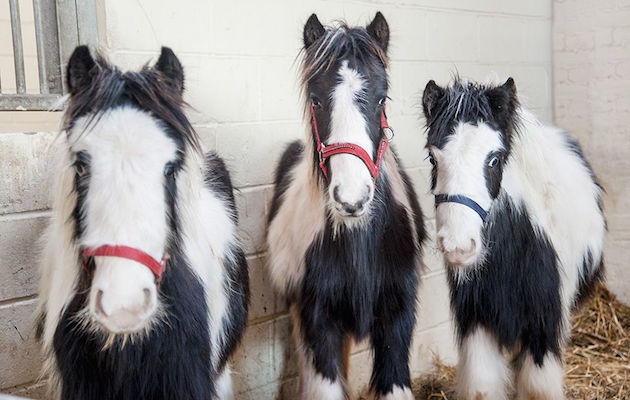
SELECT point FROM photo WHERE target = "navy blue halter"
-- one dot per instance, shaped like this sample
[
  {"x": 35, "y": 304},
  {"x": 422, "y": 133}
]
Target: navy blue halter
[{"x": 461, "y": 199}]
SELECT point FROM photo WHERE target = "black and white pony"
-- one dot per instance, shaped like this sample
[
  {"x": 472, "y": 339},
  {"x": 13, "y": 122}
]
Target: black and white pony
[
  {"x": 520, "y": 223},
  {"x": 144, "y": 286},
  {"x": 345, "y": 227}
]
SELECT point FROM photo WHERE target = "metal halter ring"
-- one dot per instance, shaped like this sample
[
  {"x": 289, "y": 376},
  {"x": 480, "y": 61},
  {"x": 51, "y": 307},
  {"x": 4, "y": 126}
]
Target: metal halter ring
[{"x": 388, "y": 133}]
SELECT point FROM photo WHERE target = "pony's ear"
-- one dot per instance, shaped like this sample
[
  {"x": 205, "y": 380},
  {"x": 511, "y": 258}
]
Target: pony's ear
[
  {"x": 503, "y": 101},
  {"x": 379, "y": 30},
  {"x": 79, "y": 72},
  {"x": 168, "y": 64},
  {"x": 313, "y": 30},
  {"x": 431, "y": 98}
]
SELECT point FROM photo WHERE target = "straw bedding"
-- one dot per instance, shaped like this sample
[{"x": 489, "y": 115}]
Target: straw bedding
[{"x": 597, "y": 358}]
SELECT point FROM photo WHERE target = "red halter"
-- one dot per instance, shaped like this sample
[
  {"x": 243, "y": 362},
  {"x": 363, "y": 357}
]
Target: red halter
[
  {"x": 326, "y": 151},
  {"x": 130, "y": 253}
]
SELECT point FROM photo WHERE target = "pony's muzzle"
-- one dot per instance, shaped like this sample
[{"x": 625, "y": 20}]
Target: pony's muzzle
[
  {"x": 124, "y": 319},
  {"x": 457, "y": 255},
  {"x": 351, "y": 208},
  {"x": 123, "y": 303}
]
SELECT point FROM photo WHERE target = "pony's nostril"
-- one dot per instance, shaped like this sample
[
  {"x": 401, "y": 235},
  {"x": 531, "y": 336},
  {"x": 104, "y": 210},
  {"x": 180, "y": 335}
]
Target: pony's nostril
[
  {"x": 350, "y": 208},
  {"x": 98, "y": 303},
  {"x": 473, "y": 246},
  {"x": 336, "y": 195}
]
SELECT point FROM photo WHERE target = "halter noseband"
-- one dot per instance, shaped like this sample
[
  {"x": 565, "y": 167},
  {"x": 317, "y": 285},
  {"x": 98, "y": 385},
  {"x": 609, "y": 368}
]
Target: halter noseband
[
  {"x": 326, "y": 151},
  {"x": 130, "y": 253},
  {"x": 464, "y": 200}
]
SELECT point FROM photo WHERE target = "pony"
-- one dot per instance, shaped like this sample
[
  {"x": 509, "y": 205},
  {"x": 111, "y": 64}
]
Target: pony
[
  {"x": 345, "y": 228},
  {"x": 144, "y": 285},
  {"x": 520, "y": 223}
]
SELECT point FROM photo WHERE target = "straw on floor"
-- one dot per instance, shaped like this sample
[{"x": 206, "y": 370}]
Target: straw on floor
[{"x": 597, "y": 358}]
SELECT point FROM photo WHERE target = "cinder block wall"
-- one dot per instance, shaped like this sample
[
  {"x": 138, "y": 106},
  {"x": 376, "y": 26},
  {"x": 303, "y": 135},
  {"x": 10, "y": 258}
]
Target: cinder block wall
[
  {"x": 591, "y": 71},
  {"x": 242, "y": 82}
]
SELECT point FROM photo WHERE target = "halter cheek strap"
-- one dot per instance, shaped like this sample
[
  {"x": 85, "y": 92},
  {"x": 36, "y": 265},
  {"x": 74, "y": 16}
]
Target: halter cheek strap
[
  {"x": 130, "y": 253},
  {"x": 327, "y": 151},
  {"x": 464, "y": 200}
]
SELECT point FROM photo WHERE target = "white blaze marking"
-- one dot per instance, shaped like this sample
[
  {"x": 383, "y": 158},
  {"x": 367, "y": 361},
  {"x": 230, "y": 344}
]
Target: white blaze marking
[{"x": 348, "y": 125}]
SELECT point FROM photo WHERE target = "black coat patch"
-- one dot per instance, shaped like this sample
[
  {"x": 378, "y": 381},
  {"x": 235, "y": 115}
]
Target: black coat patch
[
  {"x": 363, "y": 281},
  {"x": 515, "y": 294},
  {"x": 291, "y": 155},
  {"x": 170, "y": 362}
]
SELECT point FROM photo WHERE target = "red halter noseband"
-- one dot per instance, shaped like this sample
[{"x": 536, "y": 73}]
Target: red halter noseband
[
  {"x": 130, "y": 253},
  {"x": 326, "y": 151}
]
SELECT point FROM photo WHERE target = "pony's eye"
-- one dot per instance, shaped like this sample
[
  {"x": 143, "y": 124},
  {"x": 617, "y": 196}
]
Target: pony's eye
[
  {"x": 493, "y": 162},
  {"x": 315, "y": 101},
  {"x": 381, "y": 102},
  {"x": 80, "y": 167},
  {"x": 432, "y": 160},
  {"x": 169, "y": 170}
]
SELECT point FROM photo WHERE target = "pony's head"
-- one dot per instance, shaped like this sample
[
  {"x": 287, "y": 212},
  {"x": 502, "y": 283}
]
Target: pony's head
[
  {"x": 127, "y": 137},
  {"x": 470, "y": 129},
  {"x": 344, "y": 81}
]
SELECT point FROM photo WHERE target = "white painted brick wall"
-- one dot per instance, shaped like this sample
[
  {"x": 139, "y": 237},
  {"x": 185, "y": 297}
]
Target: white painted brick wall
[
  {"x": 591, "y": 70},
  {"x": 242, "y": 82}
]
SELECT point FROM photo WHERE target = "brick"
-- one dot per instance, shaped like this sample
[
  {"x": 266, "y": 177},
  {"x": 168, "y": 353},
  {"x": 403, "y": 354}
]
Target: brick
[
  {"x": 434, "y": 302},
  {"x": 20, "y": 359},
  {"x": 280, "y": 89},
  {"x": 140, "y": 26},
  {"x": 253, "y": 364},
  {"x": 207, "y": 135},
  {"x": 35, "y": 390},
  {"x": 621, "y": 36},
  {"x": 255, "y": 28},
  {"x": 25, "y": 164},
  {"x": 263, "y": 298},
  {"x": 408, "y": 82},
  {"x": 19, "y": 255},
  {"x": 407, "y": 41},
  {"x": 536, "y": 8},
  {"x": 421, "y": 179},
  {"x": 502, "y": 39},
  {"x": 359, "y": 375},
  {"x": 429, "y": 344},
  {"x": 286, "y": 361},
  {"x": 432, "y": 257},
  {"x": 451, "y": 46},
  {"x": 409, "y": 140},
  {"x": 252, "y": 207},
  {"x": 252, "y": 151},
  {"x": 222, "y": 89},
  {"x": 537, "y": 47},
  {"x": 533, "y": 85},
  {"x": 580, "y": 42}
]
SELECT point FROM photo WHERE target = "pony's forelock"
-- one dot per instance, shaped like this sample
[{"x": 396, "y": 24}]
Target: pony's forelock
[
  {"x": 148, "y": 89},
  {"x": 340, "y": 41}
]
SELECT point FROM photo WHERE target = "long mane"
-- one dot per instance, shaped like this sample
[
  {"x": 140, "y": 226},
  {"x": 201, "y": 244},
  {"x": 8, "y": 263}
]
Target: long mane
[{"x": 147, "y": 89}]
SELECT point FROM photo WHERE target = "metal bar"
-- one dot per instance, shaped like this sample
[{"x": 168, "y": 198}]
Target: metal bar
[
  {"x": 48, "y": 59},
  {"x": 30, "y": 102},
  {"x": 68, "y": 32},
  {"x": 18, "y": 51},
  {"x": 87, "y": 22},
  {"x": 41, "y": 48}
]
